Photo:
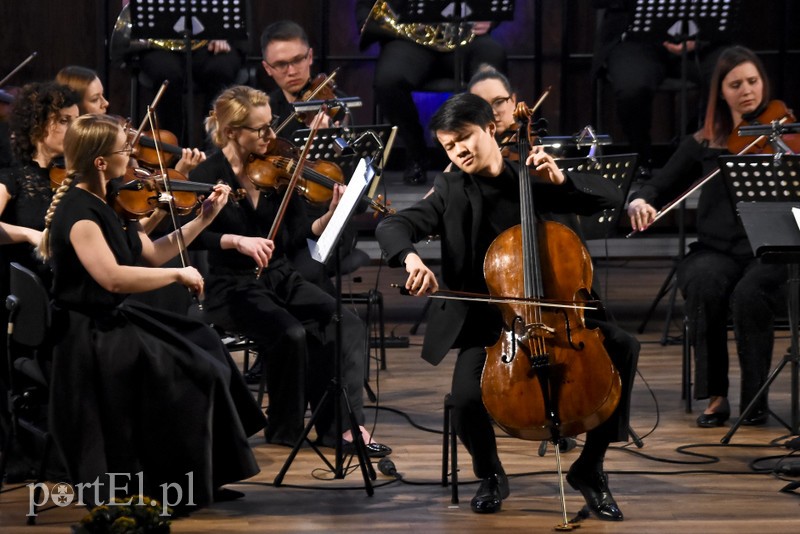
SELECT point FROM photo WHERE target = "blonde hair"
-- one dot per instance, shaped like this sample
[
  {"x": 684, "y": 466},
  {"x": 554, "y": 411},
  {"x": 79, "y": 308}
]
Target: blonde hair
[
  {"x": 88, "y": 137},
  {"x": 231, "y": 109}
]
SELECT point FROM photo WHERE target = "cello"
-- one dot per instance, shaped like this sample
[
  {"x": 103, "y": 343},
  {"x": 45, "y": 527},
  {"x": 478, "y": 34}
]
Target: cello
[{"x": 548, "y": 376}]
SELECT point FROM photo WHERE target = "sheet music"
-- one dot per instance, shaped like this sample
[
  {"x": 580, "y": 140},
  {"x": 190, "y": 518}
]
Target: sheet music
[
  {"x": 321, "y": 248},
  {"x": 796, "y": 213}
]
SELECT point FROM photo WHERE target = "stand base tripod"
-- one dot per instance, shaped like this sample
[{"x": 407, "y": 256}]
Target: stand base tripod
[{"x": 335, "y": 393}]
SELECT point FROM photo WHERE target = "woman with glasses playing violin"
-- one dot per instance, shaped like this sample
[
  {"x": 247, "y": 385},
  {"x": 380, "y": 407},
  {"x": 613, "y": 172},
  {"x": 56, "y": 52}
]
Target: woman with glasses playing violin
[
  {"x": 135, "y": 390},
  {"x": 290, "y": 319}
]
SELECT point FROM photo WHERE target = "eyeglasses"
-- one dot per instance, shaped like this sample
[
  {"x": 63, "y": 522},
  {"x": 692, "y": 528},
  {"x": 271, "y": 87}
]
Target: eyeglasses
[
  {"x": 497, "y": 103},
  {"x": 264, "y": 130},
  {"x": 126, "y": 149},
  {"x": 283, "y": 66}
]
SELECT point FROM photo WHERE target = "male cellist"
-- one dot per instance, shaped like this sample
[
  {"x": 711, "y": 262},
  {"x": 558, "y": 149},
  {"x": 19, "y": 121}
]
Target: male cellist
[{"x": 468, "y": 208}]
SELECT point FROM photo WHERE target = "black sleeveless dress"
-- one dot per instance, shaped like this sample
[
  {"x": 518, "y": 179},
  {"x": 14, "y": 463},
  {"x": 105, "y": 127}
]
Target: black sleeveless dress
[{"x": 138, "y": 390}]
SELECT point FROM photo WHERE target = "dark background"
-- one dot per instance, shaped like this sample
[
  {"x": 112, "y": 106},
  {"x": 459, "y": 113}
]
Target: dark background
[{"x": 549, "y": 43}]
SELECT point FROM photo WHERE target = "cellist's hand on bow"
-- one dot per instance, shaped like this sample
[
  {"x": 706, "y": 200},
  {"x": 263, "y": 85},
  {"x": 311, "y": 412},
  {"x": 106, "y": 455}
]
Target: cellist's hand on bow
[
  {"x": 641, "y": 214},
  {"x": 545, "y": 166},
  {"x": 421, "y": 280}
]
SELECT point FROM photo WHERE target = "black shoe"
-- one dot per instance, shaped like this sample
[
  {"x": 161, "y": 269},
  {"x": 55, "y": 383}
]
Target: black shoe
[
  {"x": 711, "y": 420},
  {"x": 593, "y": 485},
  {"x": 490, "y": 494},
  {"x": 414, "y": 174},
  {"x": 756, "y": 418},
  {"x": 374, "y": 450}
]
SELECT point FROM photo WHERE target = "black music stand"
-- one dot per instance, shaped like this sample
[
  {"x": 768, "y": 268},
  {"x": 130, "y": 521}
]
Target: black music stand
[
  {"x": 329, "y": 244},
  {"x": 167, "y": 19},
  {"x": 619, "y": 169},
  {"x": 680, "y": 21},
  {"x": 455, "y": 12},
  {"x": 765, "y": 189},
  {"x": 345, "y": 146}
]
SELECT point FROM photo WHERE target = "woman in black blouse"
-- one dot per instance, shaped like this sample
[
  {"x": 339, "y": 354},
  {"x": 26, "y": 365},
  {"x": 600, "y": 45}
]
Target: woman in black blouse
[
  {"x": 720, "y": 273},
  {"x": 290, "y": 318}
]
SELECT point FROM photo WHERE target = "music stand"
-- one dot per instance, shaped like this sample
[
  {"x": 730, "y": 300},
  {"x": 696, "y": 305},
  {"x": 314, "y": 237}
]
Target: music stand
[
  {"x": 321, "y": 250},
  {"x": 619, "y": 169},
  {"x": 369, "y": 141},
  {"x": 167, "y": 19},
  {"x": 765, "y": 189},
  {"x": 681, "y": 21},
  {"x": 455, "y": 12}
]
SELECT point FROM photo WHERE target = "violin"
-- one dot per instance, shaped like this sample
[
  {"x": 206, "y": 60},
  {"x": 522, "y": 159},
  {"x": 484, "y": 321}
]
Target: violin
[
  {"x": 315, "y": 183},
  {"x": 58, "y": 172},
  {"x": 140, "y": 192},
  {"x": 320, "y": 88},
  {"x": 775, "y": 110},
  {"x": 144, "y": 150}
]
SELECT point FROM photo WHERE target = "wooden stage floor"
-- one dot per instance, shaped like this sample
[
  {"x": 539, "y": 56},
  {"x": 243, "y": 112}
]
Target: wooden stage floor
[{"x": 682, "y": 480}]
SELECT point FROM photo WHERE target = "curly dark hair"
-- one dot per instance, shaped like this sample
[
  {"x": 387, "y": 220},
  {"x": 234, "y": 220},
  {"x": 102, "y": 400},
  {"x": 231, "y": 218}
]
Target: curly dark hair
[{"x": 34, "y": 107}]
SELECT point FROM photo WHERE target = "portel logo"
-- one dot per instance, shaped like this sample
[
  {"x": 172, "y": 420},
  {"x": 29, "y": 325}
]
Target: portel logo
[{"x": 64, "y": 494}]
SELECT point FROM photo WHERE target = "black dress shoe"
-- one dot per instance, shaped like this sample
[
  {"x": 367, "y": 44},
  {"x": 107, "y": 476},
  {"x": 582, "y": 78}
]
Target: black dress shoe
[
  {"x": 490, "y": 494},
  {"x": 414, "y": 174},
  {"x": 593, "y": 485},
  {"x": 711, "y": 420},
  {"x": 756, "y": 418},
  {"x": 374, "y": 450}
]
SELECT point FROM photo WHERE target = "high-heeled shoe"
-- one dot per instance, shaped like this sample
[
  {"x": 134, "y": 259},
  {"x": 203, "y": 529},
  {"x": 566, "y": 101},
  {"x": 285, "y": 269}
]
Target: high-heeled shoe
[{"x": 715, "y": 419}]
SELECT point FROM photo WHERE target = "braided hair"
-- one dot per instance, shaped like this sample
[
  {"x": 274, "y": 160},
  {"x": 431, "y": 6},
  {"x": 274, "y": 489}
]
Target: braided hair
[{"x": 88, "y": 137}]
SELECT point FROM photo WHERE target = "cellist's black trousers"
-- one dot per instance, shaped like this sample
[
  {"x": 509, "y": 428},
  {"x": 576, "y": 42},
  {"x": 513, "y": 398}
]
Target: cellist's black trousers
[{"x": 474, "y": 425}]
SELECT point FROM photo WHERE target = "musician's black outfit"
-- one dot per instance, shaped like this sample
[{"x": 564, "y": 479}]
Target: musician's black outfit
[
  {"x": 403, "y": 67},
  {"x": 301, "y": 259},
  {"x": 636, "y": 69},
  {"x": 721, "y": 279},
  {"x": 136, "y": 389},
  {"x": 468, "y": 212},
  {"x": 290, "y": 319}
]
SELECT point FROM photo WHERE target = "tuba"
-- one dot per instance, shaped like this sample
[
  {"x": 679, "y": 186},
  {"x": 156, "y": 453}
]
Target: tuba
[
  {"x": 121, "y": 44},
  {"x": 443, "y": 37}
]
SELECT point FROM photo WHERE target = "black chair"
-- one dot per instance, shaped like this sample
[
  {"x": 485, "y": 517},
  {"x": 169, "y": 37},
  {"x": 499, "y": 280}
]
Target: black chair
[{"x": 29, "y": 320}]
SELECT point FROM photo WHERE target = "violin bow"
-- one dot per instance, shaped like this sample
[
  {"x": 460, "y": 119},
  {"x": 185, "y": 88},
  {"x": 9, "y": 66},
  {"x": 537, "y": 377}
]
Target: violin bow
[
  {"x": 700, "y": 183},
  {"x": 152, "y": 119},
  {"x": 466, "y": 296},
  {"x": 298, "y": 170},
  {"x": 148, "y": 119},
  {"x": 17, "y": 68},
  {"x": 319, "y": 88}
]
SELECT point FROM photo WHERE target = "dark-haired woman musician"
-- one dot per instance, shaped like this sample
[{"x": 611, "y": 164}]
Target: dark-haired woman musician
[{"x": 720, "y": 274}]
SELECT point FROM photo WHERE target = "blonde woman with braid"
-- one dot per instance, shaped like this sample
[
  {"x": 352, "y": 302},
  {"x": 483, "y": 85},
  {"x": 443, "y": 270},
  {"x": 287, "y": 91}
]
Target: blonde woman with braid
[{"x": 136, "y": 390}]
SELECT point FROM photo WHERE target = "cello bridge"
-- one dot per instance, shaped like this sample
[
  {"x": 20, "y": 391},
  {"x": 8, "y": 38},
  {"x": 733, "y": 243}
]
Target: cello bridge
[{"x": 537, "y": 330}]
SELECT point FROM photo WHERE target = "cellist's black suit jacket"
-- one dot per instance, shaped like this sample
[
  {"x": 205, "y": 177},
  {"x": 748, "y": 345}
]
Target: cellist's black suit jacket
[{"x": 454, "y": 211}]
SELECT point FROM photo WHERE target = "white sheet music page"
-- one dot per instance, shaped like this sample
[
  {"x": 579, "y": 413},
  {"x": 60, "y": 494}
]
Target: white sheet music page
[
  {"x": 796, "y": 213},
  {"x": 321, "y": 248}
]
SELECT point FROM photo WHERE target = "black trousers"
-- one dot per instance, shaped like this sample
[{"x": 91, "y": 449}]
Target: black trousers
[
  {"x": 713, "y": 283},
  {"x": 635, "y": 71},
  {"x": 210, "y": 72},
  {"x": 292, "y": 321},
  {"x": 474, "y": 425},
  {"x": 404, "y": 66}
]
